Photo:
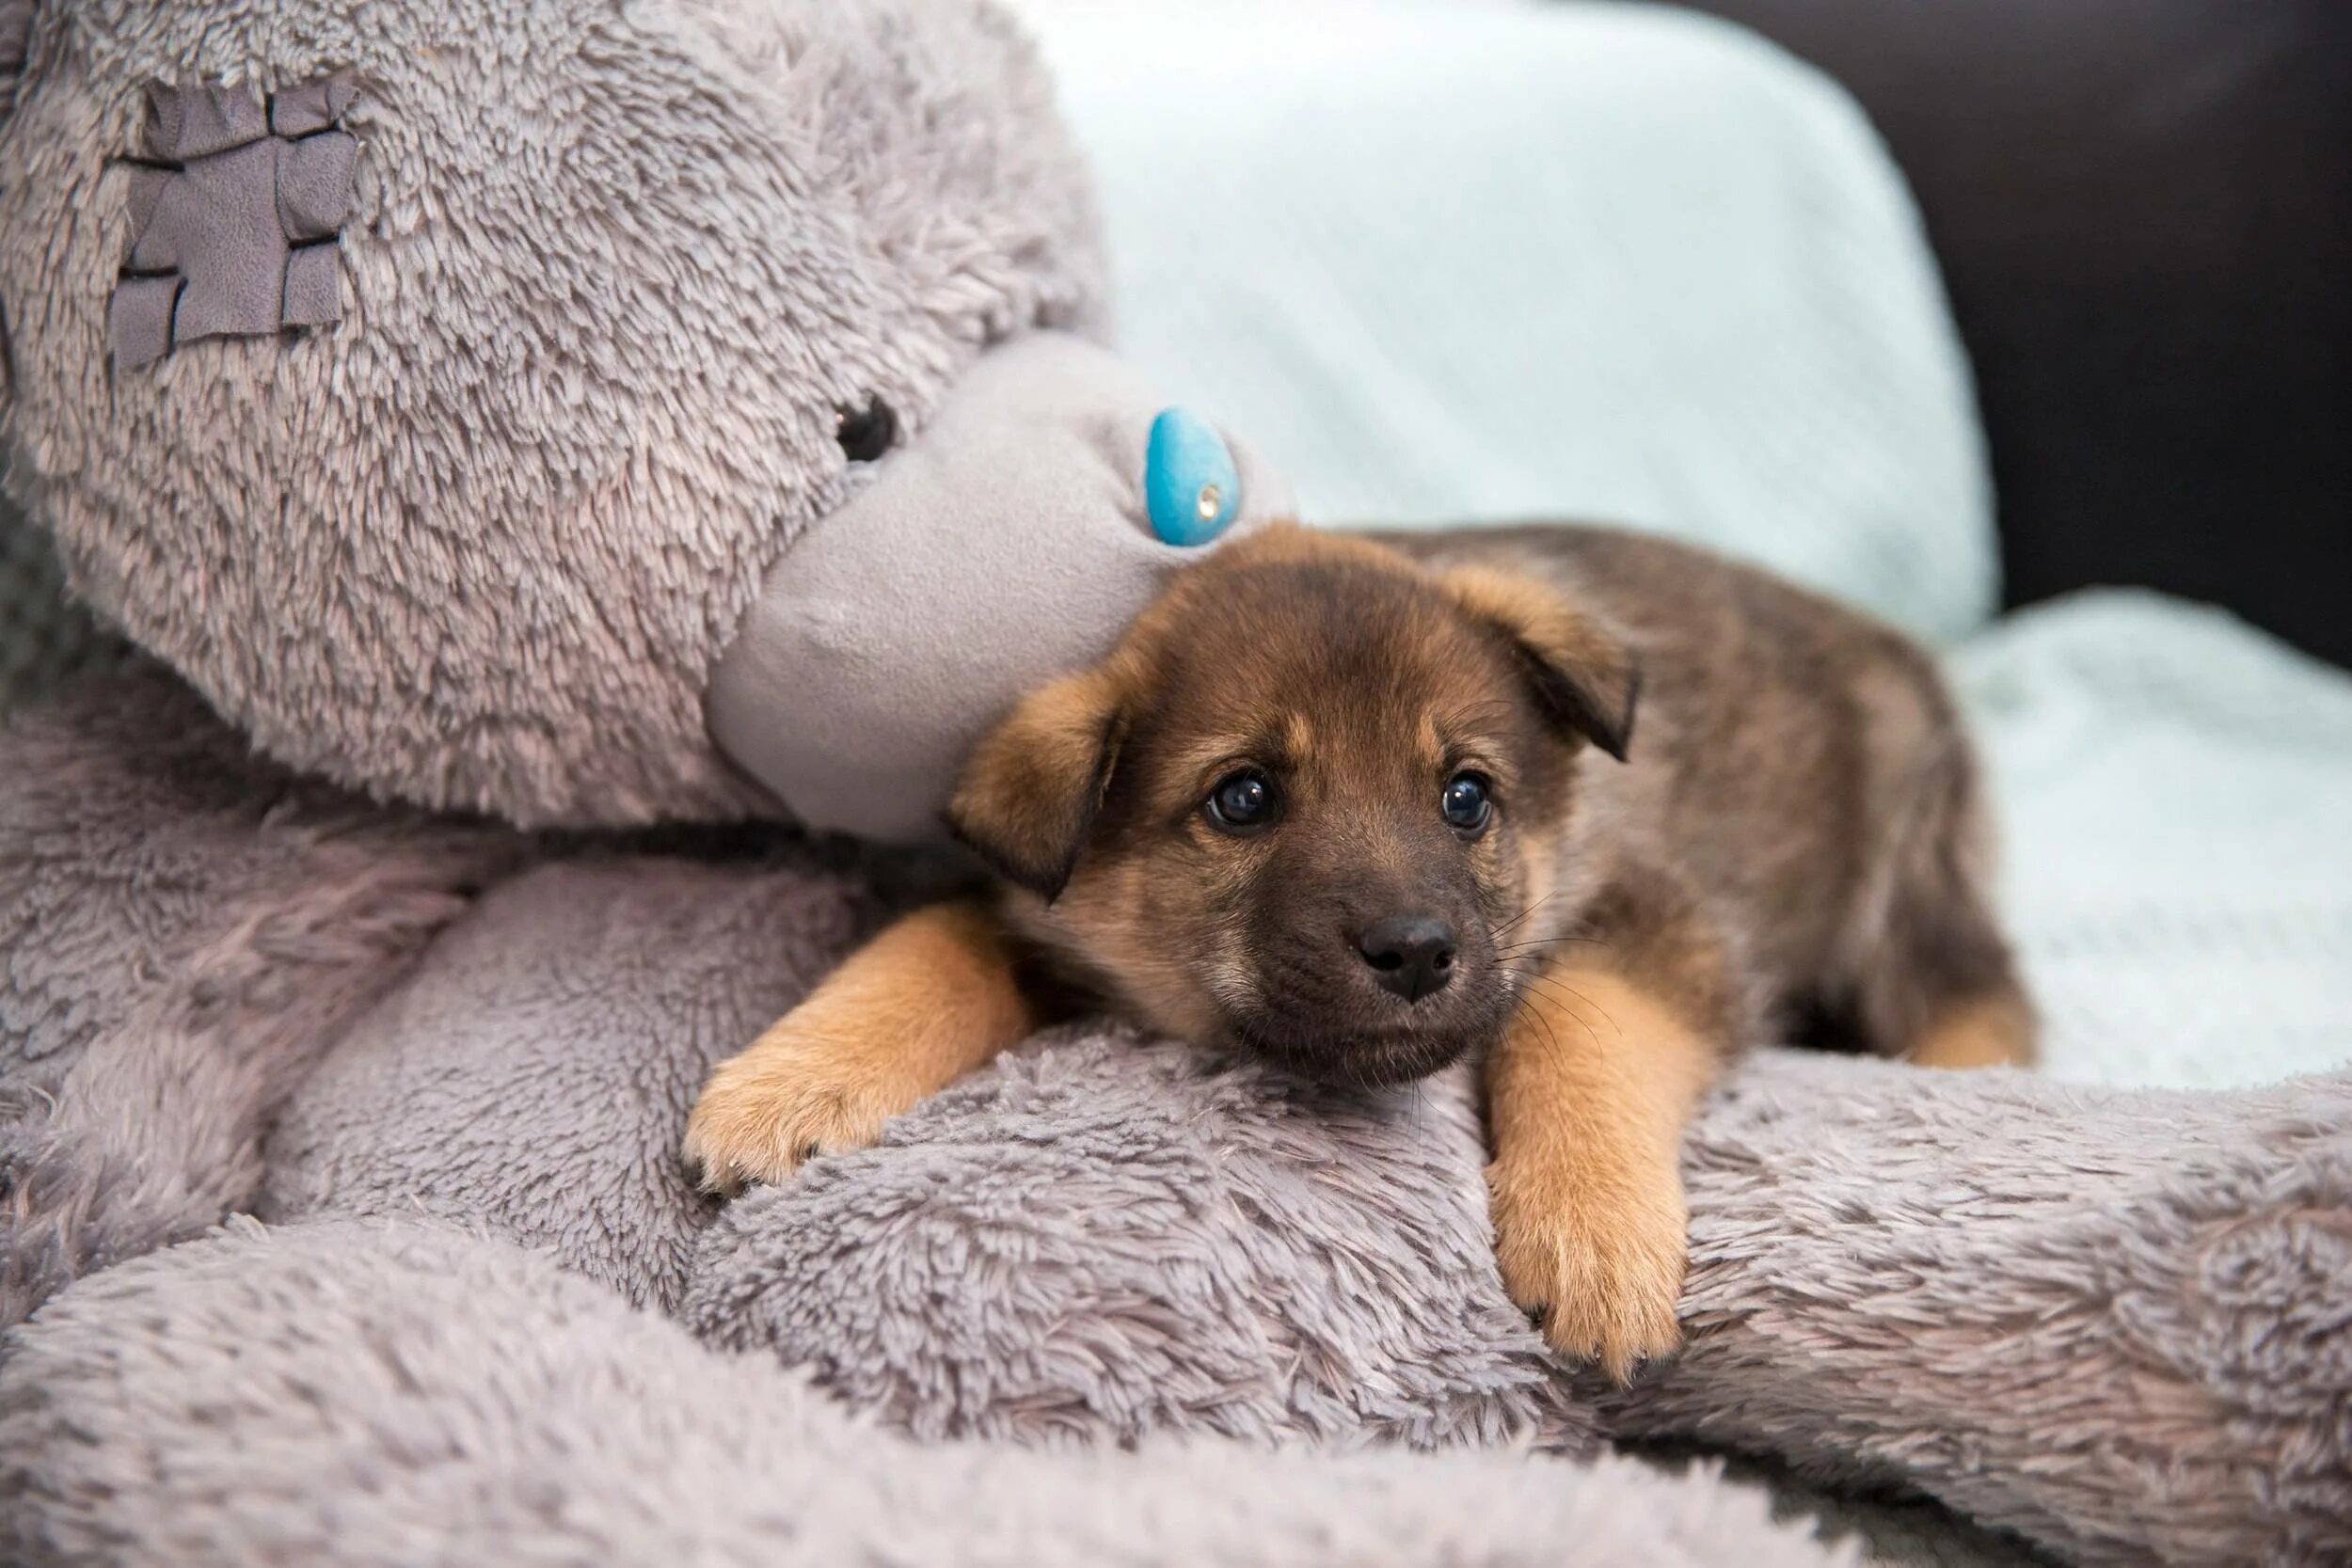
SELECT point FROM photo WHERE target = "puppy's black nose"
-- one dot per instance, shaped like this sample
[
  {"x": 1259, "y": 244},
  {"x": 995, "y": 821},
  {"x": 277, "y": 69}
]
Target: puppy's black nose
[{"x": 1411, "y": 955}]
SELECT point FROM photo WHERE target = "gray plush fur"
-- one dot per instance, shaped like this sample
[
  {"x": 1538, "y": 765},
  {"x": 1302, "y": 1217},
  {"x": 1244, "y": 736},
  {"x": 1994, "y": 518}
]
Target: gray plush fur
[
  {"x": 606, "y": 286},
  {"x": 1110, "y": 1239},
  {"x": 1116, "y": 1238},
  {"x": 515, "y": 1413},
  {"x": 544, "y": 1053},
  {"x": 1867, "y": 1246},
  {"x": 184, "y": 930},
  {"x": 608, "y": 276},
  {"x": 2117, "y": 1321},
  {"x": 2112, "y": 1322}
]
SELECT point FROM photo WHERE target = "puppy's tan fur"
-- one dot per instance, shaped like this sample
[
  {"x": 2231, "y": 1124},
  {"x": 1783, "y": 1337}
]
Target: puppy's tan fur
[
  {"x": 926, "y": 1001},
  {"x": 1797, "y": 831},
  {"x": 1588, "y": 1094}
]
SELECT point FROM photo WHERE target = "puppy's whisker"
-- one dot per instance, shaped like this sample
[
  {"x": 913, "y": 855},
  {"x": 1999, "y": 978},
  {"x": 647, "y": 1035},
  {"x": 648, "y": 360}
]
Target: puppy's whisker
[
  {"x": 1567, "y": 997},
  {"x": 1526, "y": 963},
  {"x": 1545, "y": 983},
  {"x": 1526, "y": 1008},
  {"x": 1517, "y": 949},
  {"x": 1604, "y": 1012},
  {"x": 1229, "y": 983},
  {"x": 1505, "y": 927}
]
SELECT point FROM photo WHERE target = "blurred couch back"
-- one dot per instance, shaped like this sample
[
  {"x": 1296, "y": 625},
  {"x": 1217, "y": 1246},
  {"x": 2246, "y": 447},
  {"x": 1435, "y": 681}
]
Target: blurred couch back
[
  {"x": 2143, "y": 211},
  {"x": 1461, "y": 261}
]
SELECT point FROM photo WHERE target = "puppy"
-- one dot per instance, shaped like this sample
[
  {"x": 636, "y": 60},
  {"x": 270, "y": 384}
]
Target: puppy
[{"x": 1363, "y": 806}]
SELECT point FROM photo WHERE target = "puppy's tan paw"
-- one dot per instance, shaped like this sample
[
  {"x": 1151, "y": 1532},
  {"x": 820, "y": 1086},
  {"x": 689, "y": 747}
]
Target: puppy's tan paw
[
  {"x": 1602, "y": 1276},
  {"x": 1997, "y": 1032},
  {"x": 786, "y": 1099}
]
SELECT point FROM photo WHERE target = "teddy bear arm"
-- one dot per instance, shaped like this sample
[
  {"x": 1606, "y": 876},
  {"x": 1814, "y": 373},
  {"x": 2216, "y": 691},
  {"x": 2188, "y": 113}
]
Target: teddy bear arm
[
  {"x": 183, "y": 929},
  {"x": 2024, "y": 1299}
]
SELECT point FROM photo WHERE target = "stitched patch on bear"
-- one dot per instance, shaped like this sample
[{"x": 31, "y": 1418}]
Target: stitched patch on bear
[{"x": 235, "y": 203}]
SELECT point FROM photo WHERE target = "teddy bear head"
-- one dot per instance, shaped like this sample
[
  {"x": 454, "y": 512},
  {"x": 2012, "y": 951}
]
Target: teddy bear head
[{"x": 582, "y": 412}]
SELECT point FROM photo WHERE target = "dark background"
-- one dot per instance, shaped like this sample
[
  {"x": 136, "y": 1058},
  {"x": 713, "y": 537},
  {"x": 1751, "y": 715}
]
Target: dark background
[{"x": 2143, "y": 212}]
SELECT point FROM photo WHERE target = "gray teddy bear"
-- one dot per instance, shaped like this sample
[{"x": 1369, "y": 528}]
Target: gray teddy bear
[{"x": 541, "y": 450}]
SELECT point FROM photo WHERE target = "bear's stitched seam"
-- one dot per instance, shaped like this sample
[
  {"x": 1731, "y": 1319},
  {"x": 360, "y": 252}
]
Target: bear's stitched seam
[{"x": 237, "y": 203}]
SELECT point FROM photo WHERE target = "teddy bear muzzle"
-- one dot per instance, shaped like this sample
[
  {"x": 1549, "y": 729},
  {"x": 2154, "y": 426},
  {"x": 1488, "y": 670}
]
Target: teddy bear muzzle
[{"x": 1008, "y": 542}]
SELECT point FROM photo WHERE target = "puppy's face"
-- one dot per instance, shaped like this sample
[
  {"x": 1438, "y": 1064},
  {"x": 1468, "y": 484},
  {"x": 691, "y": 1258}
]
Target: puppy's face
[{"x": 1302, "y": 807}]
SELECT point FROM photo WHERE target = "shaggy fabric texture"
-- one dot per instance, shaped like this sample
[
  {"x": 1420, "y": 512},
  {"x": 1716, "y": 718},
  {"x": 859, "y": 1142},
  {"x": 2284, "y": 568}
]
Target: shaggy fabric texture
[
  {"x": 510, "y": 1412},
  {"x": 183, "y": 931},
  {"x": 606, "y": 288},
  {"x": 1120, "y": 1238},
  {"x": 551, "y": 1115},
  {"x": 45, "y": 638},
  {"x": 2111, "y": 1320}
]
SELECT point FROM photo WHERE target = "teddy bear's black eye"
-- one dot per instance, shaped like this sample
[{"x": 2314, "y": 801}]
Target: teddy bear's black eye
[
  {"x": 1465, "y": 804},
  {"x": 1245, "y": 802},
  {"x": 866, "y": 433}
]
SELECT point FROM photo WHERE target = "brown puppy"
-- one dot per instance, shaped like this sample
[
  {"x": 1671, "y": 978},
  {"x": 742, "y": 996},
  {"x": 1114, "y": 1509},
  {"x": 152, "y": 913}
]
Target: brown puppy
[{"x": 1363, "y": 808}]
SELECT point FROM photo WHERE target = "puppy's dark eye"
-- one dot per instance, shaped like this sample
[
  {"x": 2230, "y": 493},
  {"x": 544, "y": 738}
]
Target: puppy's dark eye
[
  {"x": 1244, "y": 802},
  {"x": 866, "y": 433},
  {"x": 1465, "y": 804}
]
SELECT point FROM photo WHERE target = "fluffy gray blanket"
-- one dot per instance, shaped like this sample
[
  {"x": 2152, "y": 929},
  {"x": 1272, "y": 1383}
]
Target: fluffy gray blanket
[{"x": 1094, "y": 1306}]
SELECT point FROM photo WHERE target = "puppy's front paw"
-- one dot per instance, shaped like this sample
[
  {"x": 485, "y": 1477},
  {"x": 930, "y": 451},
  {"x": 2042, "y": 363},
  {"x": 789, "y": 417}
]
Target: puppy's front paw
[
  {"x": 793, "y": 1096},
  {"x": 1602, "y": 1270}
]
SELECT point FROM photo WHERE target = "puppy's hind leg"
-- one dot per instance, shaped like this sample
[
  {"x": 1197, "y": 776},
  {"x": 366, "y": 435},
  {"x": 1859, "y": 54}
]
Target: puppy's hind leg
[
  {"x": 931, "y": 998},
  {"x": 1931, "y": 975},
  {"x": 1943, "y": 990},
  {"x": 1989, "y": 1032}
]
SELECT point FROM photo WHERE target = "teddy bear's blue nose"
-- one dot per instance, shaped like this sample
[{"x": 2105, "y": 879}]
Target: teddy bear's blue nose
[{"x": 1190, "y": 484}]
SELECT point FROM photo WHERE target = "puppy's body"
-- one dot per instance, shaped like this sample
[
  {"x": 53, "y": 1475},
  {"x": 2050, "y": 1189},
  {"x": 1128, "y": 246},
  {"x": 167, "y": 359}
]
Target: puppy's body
[
  {"x": 1802, "y": 774},
  {"x": 1364, "y": 807}
]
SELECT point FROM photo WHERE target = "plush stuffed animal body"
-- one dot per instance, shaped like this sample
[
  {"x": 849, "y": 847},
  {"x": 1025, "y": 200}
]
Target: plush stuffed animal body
[{"x": 661, "y": 420}]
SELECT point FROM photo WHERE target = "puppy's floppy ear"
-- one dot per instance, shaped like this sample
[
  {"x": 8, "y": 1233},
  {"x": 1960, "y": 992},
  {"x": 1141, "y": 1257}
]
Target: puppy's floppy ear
[
  {"x": 1583, "y": 674},
  {"x": 1026, "y": 799}
]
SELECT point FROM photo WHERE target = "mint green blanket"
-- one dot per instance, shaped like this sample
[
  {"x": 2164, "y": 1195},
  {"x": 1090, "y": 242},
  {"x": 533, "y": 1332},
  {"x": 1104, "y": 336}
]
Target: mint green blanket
[{"x": 2176, "y": 790}]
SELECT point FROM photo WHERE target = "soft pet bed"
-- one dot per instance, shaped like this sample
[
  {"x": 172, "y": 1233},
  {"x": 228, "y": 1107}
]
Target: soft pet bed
[{"x": 344, "y": 1053}]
